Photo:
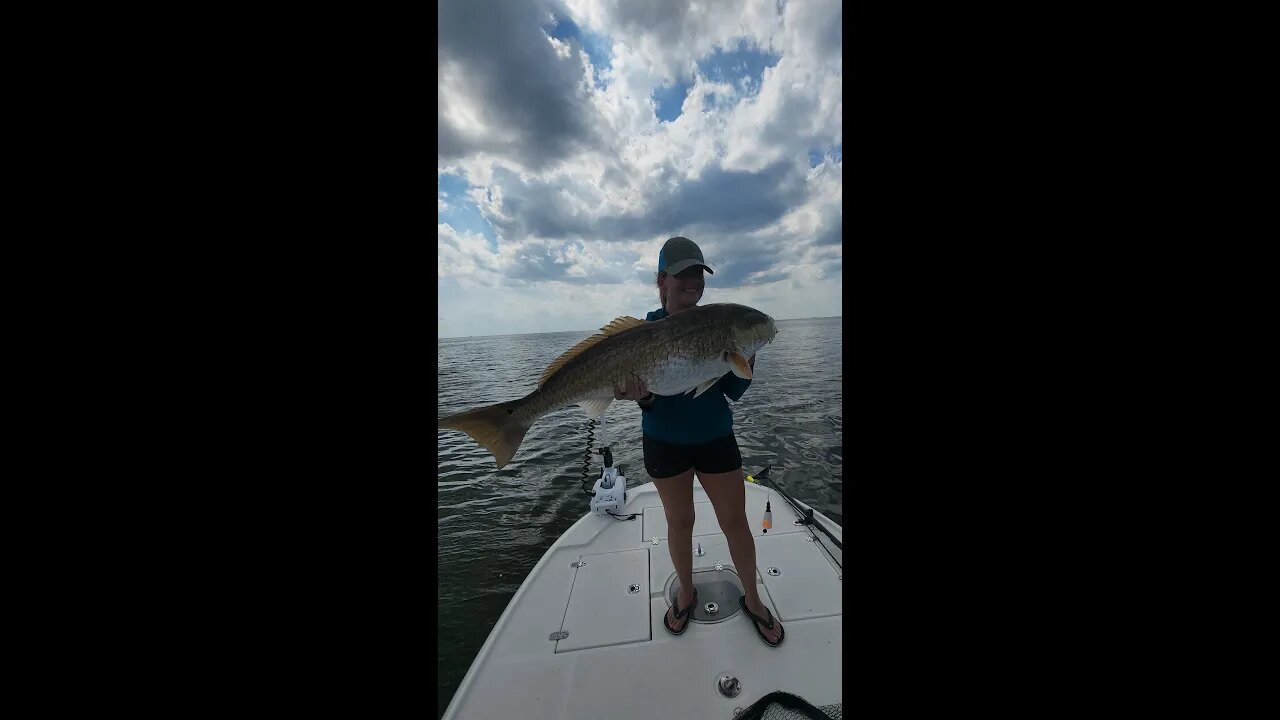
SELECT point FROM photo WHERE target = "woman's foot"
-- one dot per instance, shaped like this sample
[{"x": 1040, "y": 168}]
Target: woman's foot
[
  {"x": 684, "y": 599},
  {"x": 757, "y": 608}
]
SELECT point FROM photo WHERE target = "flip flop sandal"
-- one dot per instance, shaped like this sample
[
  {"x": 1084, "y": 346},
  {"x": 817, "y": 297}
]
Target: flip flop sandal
[
  {"x": 756, "y": 621},
  {"x": 680, "y": 614}
]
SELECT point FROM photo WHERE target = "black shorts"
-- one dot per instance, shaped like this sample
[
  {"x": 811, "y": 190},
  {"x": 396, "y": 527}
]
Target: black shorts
[{"x": 664, "y": 460}]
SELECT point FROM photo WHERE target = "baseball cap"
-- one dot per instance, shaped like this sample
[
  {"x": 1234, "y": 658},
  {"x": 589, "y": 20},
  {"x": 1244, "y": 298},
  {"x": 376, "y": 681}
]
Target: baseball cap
[{"x": 680, "y": 254}]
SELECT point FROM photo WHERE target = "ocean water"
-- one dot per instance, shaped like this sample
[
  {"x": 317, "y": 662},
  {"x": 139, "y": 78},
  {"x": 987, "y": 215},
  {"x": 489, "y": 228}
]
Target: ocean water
[{"x": 494, "y": 525}]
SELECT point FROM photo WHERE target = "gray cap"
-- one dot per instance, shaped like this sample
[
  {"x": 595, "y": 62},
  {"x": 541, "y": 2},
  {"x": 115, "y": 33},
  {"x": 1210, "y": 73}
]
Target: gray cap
[{"x": 680, "y": 254}]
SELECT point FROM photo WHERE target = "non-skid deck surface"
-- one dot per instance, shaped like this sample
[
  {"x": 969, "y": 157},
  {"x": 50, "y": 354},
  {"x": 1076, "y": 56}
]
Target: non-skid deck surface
[{"x": 618, "y": 661}]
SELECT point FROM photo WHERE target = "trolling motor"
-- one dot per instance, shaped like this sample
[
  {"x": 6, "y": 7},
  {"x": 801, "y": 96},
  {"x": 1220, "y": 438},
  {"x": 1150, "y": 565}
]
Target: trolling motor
[
  {"x": 610, "y": 491},
  {"x": 611, "y": 488}
]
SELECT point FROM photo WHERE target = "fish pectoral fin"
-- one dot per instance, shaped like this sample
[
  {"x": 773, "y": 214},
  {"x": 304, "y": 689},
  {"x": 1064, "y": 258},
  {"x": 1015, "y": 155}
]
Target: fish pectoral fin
[
  {"x": 595, "y": 407},
  {"x": 705, "y": 386},
  {"x": 738, "y": 363}
]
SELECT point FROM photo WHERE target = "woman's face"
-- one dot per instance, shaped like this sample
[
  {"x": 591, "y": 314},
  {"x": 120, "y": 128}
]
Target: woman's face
[{"x": 684, "y": 290}]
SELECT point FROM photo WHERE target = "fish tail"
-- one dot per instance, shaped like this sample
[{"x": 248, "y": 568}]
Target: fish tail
[{"x": 495, "y": 427}]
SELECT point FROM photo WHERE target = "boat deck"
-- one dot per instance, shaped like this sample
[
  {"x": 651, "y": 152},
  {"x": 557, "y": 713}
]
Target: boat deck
[{"x": 583, "y": 636}]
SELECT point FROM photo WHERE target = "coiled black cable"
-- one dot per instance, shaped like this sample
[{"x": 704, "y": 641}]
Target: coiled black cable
[{"x": 586, "y": 457}]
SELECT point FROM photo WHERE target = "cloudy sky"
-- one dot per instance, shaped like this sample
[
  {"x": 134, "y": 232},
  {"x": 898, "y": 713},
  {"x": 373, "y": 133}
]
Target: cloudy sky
[{"x": 576, "y": 136}]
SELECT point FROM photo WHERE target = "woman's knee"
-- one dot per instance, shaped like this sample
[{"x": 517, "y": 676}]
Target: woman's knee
[
  {"x": 680, "y": 521},
  {"x": 734, "y": 522}
]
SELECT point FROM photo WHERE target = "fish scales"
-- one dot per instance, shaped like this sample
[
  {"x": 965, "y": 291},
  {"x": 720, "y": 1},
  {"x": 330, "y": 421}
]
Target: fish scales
[{"x": 677, "y": 354}]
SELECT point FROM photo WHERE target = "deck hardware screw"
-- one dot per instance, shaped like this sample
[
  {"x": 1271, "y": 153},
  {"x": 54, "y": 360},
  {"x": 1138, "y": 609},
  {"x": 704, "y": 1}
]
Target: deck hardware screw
[{"x": 729, "y": 686}]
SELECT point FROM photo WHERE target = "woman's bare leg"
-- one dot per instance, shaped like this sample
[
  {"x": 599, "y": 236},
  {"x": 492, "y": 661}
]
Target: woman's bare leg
[
  {"x": 728, "y": 495},
  {"x": 677, "y": 501}
]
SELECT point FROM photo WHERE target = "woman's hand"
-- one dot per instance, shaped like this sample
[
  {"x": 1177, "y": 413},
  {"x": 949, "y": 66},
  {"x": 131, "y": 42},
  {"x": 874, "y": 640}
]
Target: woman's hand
[{"x": 634, "y": 390}]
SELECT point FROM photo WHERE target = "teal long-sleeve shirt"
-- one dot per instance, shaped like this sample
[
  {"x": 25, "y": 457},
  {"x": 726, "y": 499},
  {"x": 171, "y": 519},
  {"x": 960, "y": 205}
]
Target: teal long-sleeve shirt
[{"x": 686, "y": 420}]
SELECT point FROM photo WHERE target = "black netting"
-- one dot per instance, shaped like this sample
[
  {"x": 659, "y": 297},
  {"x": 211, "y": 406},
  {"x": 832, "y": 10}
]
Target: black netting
[{"x": 785, "y": 706}]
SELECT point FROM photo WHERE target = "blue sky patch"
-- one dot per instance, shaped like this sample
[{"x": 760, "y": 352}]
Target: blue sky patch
[
  {"x": 598, "y": 47},
  {"x": 669, "y": 99},
  {"x": 721, "y": 67},
  {"x": 462, "y": 213},
  {"x": 816, "y": 157},
  {"x": 731, "y": 66}
]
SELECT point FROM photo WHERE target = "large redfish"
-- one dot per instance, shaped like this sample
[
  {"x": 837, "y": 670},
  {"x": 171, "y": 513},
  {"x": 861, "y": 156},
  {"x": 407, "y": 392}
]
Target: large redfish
[{"x": 682, "y": 353}]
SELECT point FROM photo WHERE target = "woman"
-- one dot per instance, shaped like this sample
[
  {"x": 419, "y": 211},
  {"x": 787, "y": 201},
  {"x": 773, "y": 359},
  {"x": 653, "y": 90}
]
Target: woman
[{"x": 684, "y": 435}]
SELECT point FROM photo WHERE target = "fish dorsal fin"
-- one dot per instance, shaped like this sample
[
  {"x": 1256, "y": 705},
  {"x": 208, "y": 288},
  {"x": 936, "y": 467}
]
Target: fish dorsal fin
[
  {"x": 613, "y": 328},
  {"x": 626, "y": 322}
]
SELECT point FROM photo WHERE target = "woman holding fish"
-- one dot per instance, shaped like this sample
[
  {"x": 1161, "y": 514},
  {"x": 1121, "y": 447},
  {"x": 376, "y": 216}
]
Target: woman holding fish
[
  {"x": 680, "y": 364},
  {"x": 691, "y": 434}
]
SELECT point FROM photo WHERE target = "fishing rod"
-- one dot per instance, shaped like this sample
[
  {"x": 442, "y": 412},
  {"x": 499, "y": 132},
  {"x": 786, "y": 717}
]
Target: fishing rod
[{"x": 806, "y": 516}]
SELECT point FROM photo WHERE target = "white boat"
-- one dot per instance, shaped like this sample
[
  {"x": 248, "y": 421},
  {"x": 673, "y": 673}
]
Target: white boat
[{"x": 583, "y": 636}]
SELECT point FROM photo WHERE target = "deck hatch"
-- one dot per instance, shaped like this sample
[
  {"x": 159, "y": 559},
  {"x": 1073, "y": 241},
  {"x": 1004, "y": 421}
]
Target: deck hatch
[
  {"x": 718, "y": 593},
  {"x": 806, "y": 586},
  {"x": 605, "y": 607}
]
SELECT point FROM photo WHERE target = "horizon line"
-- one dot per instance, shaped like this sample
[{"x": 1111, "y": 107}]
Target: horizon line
[{"x": 548, "y": 332}]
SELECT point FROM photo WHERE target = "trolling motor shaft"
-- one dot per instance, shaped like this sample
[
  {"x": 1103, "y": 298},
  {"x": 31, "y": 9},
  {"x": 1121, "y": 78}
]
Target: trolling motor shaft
[{"x": 607, "y": 452}]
